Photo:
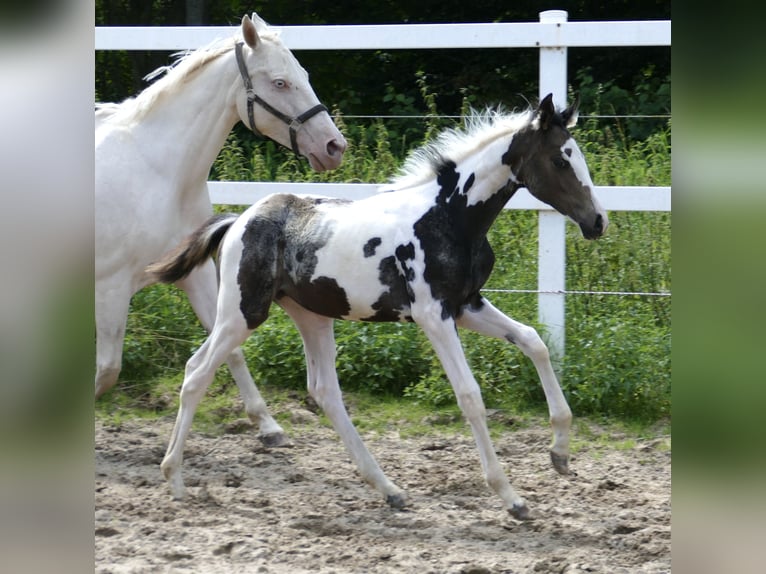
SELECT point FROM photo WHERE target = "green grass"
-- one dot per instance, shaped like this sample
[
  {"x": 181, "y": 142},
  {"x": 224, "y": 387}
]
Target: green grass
[{"x": 376, "y": 415}]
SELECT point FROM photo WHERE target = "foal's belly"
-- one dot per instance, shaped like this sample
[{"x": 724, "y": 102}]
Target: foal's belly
[{"x": 344, "y": 300}]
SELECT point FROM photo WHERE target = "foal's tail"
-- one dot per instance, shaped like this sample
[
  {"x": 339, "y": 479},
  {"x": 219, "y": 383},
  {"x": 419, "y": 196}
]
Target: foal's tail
[{"x": 192, "y": 251}]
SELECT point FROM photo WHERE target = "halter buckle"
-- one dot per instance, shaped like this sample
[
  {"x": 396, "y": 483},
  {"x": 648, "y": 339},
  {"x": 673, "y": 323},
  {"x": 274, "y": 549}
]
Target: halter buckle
[{"x": 295, "y": 124}]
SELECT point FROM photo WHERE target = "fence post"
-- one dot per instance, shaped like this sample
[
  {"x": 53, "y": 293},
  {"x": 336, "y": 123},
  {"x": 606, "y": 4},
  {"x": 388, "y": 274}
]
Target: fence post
[{"x": 551, "y": 258}]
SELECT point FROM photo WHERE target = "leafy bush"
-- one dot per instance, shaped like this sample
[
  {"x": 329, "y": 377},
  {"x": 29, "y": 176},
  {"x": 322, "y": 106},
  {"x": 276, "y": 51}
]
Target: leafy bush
[
  {"x": 649, "y": 96},
  {"x": 618, "y": 366}
]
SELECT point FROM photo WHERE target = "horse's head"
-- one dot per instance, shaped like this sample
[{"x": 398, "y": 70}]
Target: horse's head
[
  {"x": 280, "y": 103},
  {"x": 553, "y": 169}
]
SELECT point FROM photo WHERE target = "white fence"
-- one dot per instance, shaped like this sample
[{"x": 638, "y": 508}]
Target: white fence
[{"x": 553, "y": 34}]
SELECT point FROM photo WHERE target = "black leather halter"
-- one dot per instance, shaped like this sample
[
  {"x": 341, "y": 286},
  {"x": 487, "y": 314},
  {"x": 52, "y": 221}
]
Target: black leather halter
[{"x": 294, "y": 124}]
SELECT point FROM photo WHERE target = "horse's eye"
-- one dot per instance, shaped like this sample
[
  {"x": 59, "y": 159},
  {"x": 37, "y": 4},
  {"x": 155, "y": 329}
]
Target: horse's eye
[
  {"x": 280, "y": 84},
  {"x": 559, "y": 162}
]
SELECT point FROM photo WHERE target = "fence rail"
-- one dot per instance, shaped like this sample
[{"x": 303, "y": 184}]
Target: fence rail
[
  {"x": 403, "y": 36},
  {"x": 552, "y": 35},
  {"x": 613, "y": 198}
]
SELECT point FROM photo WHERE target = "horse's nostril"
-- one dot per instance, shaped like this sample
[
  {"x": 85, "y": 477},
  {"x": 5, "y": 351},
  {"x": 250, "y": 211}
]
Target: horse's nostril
[
  {"x": 599, "y": 225},
  {"x": 334, "y": 147}
]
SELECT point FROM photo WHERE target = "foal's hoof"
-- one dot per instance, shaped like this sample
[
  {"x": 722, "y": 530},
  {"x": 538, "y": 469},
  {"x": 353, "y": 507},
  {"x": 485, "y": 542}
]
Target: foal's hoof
[
  {"x": 560, "y": 462},
  {"x": 520, "y": 511},
  {"x": 177, "y": 487},
  {"x": 274, "y": 440},
  {"x": 397, "y": 500}
]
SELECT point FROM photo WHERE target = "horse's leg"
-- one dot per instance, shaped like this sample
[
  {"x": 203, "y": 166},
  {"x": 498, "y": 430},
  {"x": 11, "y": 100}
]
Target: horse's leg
[
  {"x": 201, "y": 288},
  {"x": 112, "y": 305},
  {"x": 444, "y": 338},
  {"x": 488, "y": 320},
  {"x": 319, "y": 346},
  {"x": 200, "y": 370}
]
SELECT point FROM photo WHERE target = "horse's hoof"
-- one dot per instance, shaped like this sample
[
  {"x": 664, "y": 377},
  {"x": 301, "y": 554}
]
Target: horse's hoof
[
  {"x": 274, "y": 440},
  {"x": 397, "y": 500},
  {"x": 560, "y": 462},
  {"x": 520, "y": 511}
]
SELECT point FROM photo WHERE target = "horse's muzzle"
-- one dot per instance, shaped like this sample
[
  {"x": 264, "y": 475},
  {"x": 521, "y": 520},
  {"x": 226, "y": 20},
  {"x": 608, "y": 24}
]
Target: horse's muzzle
[{"x": 331, "y": 158}]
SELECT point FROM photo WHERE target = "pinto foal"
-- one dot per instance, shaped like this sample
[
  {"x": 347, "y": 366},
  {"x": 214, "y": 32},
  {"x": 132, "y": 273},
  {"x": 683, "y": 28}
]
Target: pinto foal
[{"x": 415, "y": 252}]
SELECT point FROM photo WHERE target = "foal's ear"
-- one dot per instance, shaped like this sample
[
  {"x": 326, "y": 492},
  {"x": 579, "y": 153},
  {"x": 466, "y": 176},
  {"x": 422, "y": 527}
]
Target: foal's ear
[
  {"x": 546, "y": 111},
  {"x": 571, "y": 114},
  {"x": 248, "y": 32}
]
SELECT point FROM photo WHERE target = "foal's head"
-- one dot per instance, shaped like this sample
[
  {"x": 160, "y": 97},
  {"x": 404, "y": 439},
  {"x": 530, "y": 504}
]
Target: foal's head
[{"x": 552, "y": 167}]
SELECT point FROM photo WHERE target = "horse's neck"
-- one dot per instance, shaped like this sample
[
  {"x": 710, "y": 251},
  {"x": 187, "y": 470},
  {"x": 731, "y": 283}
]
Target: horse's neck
[
  {"x": 478, "y": 188},
  {"x": 186, "y": 129}
]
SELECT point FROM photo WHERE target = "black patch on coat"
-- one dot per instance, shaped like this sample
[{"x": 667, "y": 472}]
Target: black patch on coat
[
  {"x": 458, "y": 257},
  {"x": 390, "y": 303},
  {"x": 323, "y": 296},
  {"x": 395, "y": 273},
  {"x": 279, "y": 258},
  {"x": 405, "y": 253},
  {"x": 263, "y": 242},
  {"x": 370, "y": 246},
  {"x": 469, "y": 183},
  {"x": 520, "y": 144}
]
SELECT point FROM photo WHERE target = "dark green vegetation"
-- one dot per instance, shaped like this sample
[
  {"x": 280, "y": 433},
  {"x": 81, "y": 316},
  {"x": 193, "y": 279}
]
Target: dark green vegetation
[
  {"x": 617, "y": 362},
  {"x": 379, "y": 82}
]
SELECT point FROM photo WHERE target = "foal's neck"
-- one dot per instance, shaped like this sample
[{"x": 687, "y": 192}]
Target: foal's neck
[{"x": 475, "y": 191}]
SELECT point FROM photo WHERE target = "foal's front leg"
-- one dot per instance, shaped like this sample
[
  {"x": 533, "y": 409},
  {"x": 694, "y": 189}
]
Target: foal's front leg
[
  {"x": 489, "y": 321},
  {"x": 319, "y": 346},
  {"x": 444, "y": 338}
]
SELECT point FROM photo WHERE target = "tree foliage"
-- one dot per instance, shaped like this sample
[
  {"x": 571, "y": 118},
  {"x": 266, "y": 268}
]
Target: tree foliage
[{"x": 379, "y": 82}]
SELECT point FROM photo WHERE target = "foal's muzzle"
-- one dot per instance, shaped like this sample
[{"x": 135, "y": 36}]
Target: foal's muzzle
[{"x": 596, "y": 228}]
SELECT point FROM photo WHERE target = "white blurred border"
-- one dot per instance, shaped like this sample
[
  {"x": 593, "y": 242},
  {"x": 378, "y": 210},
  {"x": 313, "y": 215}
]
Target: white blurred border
[{"x": 46, "y": 246}]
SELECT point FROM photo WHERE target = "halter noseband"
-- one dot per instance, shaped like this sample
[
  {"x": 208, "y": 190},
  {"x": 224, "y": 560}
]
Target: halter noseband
[{"x": 294, "y": 124}]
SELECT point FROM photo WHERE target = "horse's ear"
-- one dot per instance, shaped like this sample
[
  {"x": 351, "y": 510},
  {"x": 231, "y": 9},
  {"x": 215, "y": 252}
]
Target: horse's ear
[
  {"x": 571, "y": 114},
  {"x": 546, "y": 111},
  {"x": 260, "y": 23},
  {"x": 248, "y": 32}
]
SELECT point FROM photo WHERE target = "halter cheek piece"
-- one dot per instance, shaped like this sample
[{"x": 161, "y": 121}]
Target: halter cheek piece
[{"x": 294, "y": 124}]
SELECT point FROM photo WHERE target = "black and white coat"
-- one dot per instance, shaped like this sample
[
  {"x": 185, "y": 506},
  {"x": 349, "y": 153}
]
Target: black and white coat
[{"x": 415, "y": 252}]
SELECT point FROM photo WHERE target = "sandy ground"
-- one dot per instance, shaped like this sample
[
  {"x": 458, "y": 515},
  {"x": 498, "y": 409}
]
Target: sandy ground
[{"x": 304, "y": 508}]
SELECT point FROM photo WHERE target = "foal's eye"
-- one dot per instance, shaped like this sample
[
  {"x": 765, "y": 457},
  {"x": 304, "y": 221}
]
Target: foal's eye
[
  {"x": 559, "y": 162},
  {"x": 280, "y": 84}
]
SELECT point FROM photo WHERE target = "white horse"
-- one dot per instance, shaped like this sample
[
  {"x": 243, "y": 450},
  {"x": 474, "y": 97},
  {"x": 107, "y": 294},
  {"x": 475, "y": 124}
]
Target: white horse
[
  {"x": 153, "y": 156},
  {"x": 416, "y": 253}
]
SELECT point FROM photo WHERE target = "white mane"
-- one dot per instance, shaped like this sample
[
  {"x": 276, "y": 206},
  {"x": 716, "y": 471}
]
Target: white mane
[
  {"x": 456, "y": 144},
  {"x": 172, "y": 78}
]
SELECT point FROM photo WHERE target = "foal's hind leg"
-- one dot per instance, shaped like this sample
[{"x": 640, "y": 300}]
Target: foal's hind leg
[
  {"x": 319, "y": 346},
  {"x": 200, "y": 370},
  {"x": 488, "y": 320},
  {"x": 201, "y": 288}
]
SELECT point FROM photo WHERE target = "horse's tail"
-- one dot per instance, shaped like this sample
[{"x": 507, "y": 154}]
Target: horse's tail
[{"x": 192, "y": 251}]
